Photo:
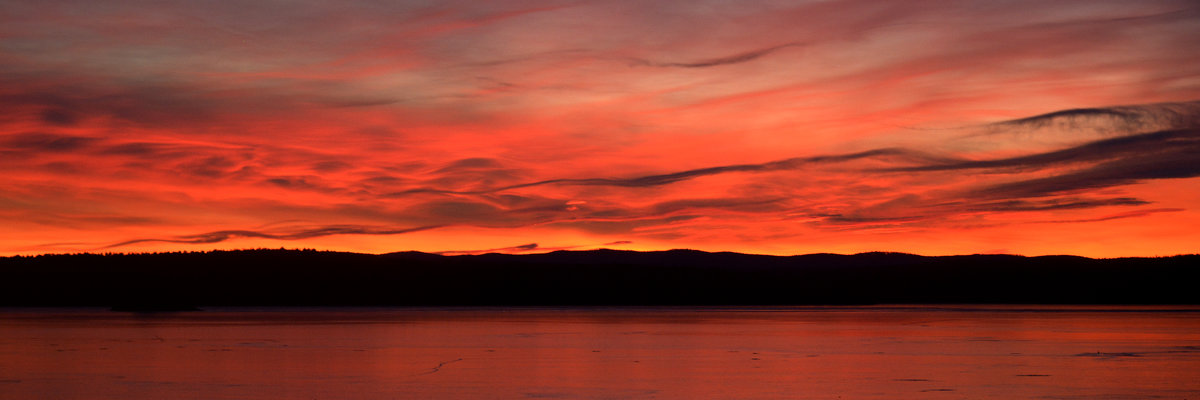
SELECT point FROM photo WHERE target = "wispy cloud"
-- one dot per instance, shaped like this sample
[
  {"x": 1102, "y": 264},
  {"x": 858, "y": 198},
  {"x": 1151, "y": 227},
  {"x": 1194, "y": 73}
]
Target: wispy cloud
[
  {"x": 1108, "y": 149},
  {"x": 673, "y": 177},
  {"x": 719, "y": 61},
  {"x": 1127, "y": 119},
  {"x": 45, "y": 142},
  {"x": 510, "y": 249},
  {"x": 1130, "y": 214},
  {"x": 288, "y": 234}
]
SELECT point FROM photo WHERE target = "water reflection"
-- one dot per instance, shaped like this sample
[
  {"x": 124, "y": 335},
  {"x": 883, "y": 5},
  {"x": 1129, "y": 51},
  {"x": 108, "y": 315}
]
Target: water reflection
[{"x": 819, "y": 353}]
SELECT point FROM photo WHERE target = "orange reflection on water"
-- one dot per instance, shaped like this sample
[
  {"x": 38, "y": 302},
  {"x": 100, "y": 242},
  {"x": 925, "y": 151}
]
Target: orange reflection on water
[{"x": 915, "y": 352}]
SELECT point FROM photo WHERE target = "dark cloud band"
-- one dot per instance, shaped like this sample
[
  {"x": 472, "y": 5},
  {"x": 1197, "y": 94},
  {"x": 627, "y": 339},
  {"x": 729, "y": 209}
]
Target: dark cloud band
[
  {"x": 306, "y": 233},
  {"x": 669, "y": 178}
]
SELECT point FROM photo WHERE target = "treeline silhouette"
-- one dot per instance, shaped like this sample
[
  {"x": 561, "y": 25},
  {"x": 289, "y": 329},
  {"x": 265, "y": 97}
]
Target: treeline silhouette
[{"x": 168, "y": 281}]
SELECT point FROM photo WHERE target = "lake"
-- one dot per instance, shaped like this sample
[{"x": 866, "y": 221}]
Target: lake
[{"x": 892, "y": 352}]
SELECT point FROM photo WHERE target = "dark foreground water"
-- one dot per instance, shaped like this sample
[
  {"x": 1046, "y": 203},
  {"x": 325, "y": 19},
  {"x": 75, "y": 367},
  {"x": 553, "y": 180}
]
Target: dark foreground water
[{"x": 966, "y": 352}]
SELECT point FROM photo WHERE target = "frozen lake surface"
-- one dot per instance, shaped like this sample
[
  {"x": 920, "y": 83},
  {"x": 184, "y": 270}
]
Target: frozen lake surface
[{"x": 901, "y": 352}]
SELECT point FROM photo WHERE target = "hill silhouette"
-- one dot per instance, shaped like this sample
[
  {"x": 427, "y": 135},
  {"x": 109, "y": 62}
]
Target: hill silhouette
[{"x": 164, "y": 281}]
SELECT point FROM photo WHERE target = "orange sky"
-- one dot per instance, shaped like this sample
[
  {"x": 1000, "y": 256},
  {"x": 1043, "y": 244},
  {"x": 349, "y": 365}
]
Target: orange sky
[{"x": 929, "y": 127}]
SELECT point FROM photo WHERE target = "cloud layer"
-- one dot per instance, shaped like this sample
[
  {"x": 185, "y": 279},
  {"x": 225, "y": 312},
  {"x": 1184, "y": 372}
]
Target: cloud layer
[{"x": 842, "y": 126}]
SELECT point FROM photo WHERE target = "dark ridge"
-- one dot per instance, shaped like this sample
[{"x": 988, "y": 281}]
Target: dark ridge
[{"x": 179, "y": 281}]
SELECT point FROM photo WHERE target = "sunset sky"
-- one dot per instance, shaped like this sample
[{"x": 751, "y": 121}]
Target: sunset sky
[{"x": 774, "y": 127}]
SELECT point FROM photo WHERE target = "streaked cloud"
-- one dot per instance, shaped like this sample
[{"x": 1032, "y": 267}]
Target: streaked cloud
[
  {"x": 726, "y": 60},
  {"x": 288, "y": 234}
]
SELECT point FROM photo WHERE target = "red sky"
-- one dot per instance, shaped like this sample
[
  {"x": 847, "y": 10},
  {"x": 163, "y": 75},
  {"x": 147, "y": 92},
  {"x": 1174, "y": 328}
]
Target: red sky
[{"x": 930, "y": 127}]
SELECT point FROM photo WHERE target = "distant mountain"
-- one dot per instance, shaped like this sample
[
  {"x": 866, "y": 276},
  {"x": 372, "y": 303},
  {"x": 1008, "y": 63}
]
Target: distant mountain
[{"x": 599, "y": 277}]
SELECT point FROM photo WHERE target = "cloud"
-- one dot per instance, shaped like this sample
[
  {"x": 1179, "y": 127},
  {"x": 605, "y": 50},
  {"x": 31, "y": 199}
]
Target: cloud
[
  {"x": 144, "y": 150},
  {"x": 1130, "y": 118},
  {"x": 1126, "y": 146},
  {"x": 215, "y": 166},
  {"x": 60, "y": 117},
  {"x": 908, "y": 207},
  {"x": 46, "y": 142},
  {"x": 287, "y": 234},
  {"x": 713, "y": 62},
  {"x": 751, "y": 124},
  {"x": 1053, "y": 204},
  {"x": 1130, "y": 214},
  {"x": 1057, "y": 180},
  {"x": 513, "y": 249},
  {"x": 1171, "y": 164},
  {"x": 1047, "y": 181},
  {"x": 669, "y": 178},
  {"x": 154, "y": 104},
  {"x": 473, "y": 163},
  {"x": 989, "y": 186},
  {"x": 525, "y": 248},
  {"x": 914, "y": 209}
]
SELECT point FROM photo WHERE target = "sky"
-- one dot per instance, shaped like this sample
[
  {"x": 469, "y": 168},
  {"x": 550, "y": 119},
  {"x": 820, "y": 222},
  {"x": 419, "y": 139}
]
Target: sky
[{"x": 461, "y": 127}]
